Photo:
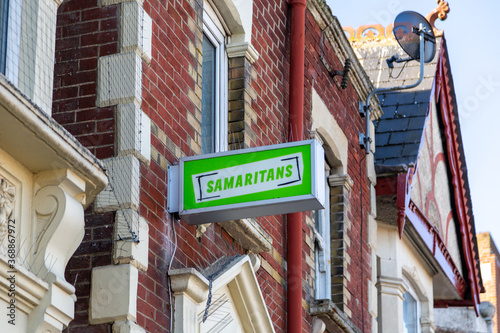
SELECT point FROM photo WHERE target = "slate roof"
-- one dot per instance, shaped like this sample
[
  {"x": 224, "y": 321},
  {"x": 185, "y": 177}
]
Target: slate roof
[{"x": 399, "y": 131}]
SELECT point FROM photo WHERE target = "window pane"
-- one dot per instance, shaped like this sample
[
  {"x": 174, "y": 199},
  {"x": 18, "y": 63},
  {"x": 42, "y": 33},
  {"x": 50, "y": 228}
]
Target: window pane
[
  {"x": 318, "y": 222},
  {"x": 208, "y": 97},
  {"x": 322, "y": 249},
  {"x": 4, "y": 10},
  {"x": 410, "y": 316}
]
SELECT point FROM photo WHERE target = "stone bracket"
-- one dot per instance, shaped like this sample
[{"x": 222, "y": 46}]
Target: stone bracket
[{"x": 249, "y": 234}]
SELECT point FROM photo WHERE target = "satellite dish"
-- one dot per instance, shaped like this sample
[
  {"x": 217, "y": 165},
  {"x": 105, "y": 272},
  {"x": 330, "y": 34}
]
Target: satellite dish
[
  {"x": 408, "y": 26},
  {"x": 416, "y": 37}
]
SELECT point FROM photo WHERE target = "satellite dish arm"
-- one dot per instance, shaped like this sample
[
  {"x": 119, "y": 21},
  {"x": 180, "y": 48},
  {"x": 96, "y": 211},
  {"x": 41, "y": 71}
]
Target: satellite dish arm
[{"x": 364, "y": 139}]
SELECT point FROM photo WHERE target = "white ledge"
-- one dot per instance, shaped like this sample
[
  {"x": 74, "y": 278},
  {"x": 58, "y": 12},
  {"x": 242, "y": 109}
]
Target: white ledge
[{"x": 242, "y": 49}]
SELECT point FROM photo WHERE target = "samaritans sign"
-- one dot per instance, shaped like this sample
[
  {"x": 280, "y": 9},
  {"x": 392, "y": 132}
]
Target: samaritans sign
[
  {"x": 245, "y": 183},
  {"x": 254, "y": 177}
]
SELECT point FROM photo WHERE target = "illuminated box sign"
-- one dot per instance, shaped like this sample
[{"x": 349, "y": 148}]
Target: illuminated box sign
[{"x": 269, "y": 180}]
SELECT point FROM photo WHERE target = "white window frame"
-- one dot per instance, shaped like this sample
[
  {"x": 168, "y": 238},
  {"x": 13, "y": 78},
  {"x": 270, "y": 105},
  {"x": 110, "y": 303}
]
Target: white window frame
[
  {"x": 413, "y": 294},
  {"x": 212, "y": 28},
  {"x": 322, "y": 248}
]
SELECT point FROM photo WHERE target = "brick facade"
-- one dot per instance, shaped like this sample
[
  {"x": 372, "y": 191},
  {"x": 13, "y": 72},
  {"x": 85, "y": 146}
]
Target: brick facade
[
  {"x": 258, "y": 116},
  {"x": 352, "y": 265},
  {"x": 241, "y": 114},
  {"x": 490, "y": 271},
  {"x": 85, "y": 32}
]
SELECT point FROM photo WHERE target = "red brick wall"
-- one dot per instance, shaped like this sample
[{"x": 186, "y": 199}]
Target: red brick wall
[
  {"x": 488, "y": 254},
  {"x": 343, "y": 103},
  {"x": 165, "y": 102},
  {"x": 166, "y": 82},
  {"x": 270, "y": 37},
  {"x": 84, "y": 33}
]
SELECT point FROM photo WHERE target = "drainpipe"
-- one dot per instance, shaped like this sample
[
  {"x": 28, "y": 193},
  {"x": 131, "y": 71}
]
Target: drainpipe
[{"x": 296, "y": 107}]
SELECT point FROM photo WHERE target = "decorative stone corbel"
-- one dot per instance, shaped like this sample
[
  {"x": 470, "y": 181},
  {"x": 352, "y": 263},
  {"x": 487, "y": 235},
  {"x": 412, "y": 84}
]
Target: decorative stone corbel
[
  {"x": 315, "y": 135},
  {"x": 249, "y": 234},
  {"x": 242, "y": 49},
  {"x": 319, "y": 325},
  {"x": 59, "y": 231},
  {"x": 201, "y": 228},
  {"x": 341, "y": 180},
  {"x": 60, "y": 222}
]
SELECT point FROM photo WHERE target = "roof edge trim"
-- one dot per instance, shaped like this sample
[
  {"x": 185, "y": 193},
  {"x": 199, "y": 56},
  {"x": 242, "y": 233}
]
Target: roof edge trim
[{"x": 444, "y": 99}]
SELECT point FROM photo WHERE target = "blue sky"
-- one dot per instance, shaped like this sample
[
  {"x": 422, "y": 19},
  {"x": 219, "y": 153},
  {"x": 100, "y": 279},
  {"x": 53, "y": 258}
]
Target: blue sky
[{"x": 473, "y": 45}]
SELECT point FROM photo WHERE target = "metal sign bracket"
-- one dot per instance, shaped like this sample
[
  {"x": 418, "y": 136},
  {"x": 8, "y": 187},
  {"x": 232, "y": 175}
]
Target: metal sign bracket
[{"x": 173, "y": 189}]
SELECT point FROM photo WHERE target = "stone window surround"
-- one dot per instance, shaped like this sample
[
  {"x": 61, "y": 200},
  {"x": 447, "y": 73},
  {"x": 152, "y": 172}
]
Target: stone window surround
[
  {"x": 330, "y": 135},
  {"x": 412, "y": 283},
  {"x": 343, "y": 183},
  {"x": 334, "y": 311},
  {"x": 237, "y": 17}
]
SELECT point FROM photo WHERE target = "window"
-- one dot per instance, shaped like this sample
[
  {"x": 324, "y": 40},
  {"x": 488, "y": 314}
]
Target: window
[
  {"x": 322, "y": 248},
  {"x": 10, "y": 32},
  {"x": 4, "y": 10},
  {"x": 214, "y": 85},
  {"x": 411, "y": 312}
]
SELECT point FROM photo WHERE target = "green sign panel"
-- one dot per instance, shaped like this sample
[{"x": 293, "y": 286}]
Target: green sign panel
[{"x": 248, "y": 183}]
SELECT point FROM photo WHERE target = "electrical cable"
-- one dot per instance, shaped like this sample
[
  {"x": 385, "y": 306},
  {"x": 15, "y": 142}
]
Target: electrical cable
[
  {"x": 401, "y": 71},
  {"x": 169, "y": 280}
]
